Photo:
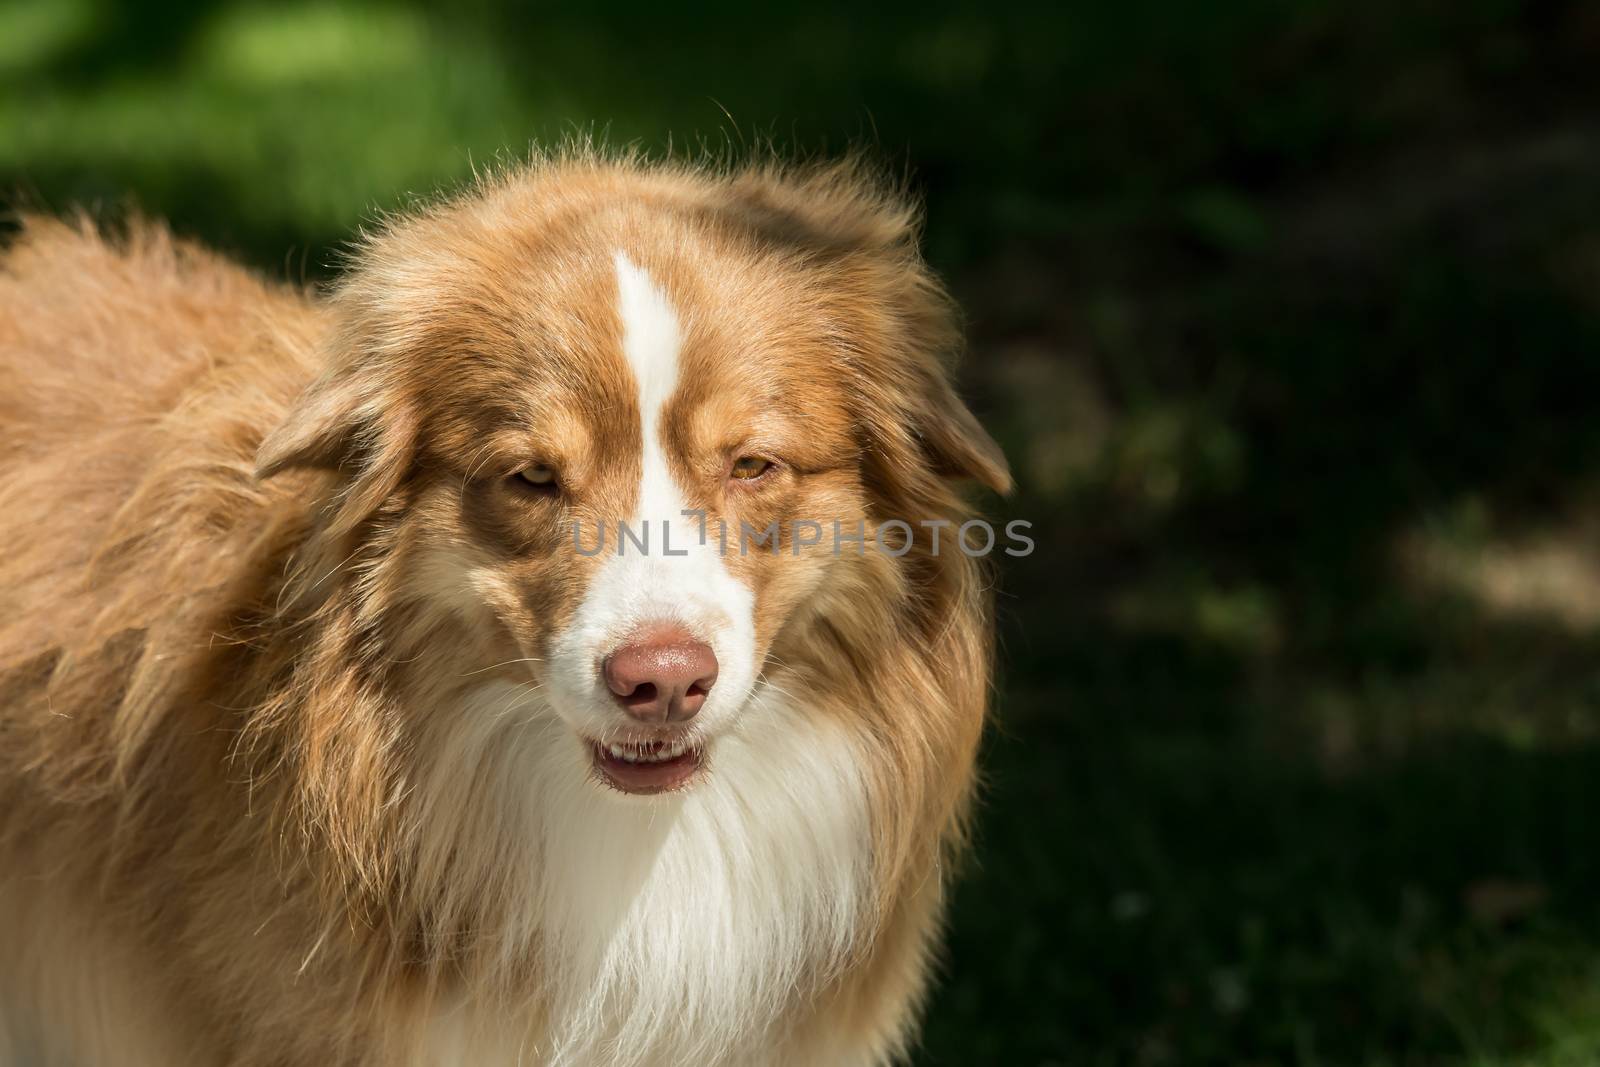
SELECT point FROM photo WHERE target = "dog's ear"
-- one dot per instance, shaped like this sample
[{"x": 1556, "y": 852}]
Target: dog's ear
[
  {"x": 919, "y": 429},
  {"x": 956, "y": 445},
  {"x": 326, "y": 428},
  {"x": 859, "y": 221},
  {"x": 917, "y": 418},
  {"x": 342, "y": 423}
]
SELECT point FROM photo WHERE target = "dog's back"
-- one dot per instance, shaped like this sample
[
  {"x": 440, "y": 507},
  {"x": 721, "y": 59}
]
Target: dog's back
[
  {"x": 101, "y": 344},
  {"x": 98, "y": 336}
]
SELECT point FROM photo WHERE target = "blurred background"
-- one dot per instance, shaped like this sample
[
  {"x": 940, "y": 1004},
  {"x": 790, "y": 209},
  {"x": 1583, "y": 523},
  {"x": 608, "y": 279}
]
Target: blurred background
[{"x": 1287, "y": 315}]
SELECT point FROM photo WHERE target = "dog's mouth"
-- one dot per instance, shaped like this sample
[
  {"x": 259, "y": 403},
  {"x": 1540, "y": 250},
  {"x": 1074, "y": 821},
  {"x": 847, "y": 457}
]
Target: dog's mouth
[{"x": 645, "y": 767}]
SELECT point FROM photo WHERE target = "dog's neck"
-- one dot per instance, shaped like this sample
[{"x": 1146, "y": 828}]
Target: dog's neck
[{"x": 667, "y": 929}]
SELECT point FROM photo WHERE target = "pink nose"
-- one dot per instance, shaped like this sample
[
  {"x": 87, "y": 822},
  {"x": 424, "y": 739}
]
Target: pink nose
[{"x": 661, "y": 675}]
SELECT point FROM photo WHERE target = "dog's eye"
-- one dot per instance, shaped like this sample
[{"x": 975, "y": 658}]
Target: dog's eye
[
  {"x": 748, "y": 468},
  {"x": 537, "y": 477}
]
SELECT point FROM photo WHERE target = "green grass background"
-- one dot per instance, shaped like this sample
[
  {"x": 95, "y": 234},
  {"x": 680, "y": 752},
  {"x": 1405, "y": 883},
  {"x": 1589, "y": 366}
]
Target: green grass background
[{"x": 1286, "y": 313}]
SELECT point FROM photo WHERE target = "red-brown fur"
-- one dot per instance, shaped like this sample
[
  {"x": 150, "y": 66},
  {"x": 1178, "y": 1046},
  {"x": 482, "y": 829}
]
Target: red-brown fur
[{"x": 218, "y": 500}]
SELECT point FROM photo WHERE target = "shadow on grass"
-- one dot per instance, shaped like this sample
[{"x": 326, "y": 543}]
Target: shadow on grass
[{"x": 1187, "y": 902}]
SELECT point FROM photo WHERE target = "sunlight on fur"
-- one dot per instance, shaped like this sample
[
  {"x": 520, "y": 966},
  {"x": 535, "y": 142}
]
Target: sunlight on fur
[{"x": 319, "y": 743}]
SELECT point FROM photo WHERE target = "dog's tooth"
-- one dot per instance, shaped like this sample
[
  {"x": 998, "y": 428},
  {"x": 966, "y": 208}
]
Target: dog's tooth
[{"x": 637, "y": 752}]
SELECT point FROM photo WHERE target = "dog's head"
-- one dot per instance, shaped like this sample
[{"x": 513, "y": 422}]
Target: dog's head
[{"x": 614, "y": 429}]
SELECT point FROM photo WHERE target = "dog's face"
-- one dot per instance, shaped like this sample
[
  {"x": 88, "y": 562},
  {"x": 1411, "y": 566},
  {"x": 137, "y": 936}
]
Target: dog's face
[
  {"x": 599, "y": 477},
  {"x": 623, "y": 436}
]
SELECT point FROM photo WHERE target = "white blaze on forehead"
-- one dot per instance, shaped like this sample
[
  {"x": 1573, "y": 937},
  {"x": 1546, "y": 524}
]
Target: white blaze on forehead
[{"x": 649, "y": 339}]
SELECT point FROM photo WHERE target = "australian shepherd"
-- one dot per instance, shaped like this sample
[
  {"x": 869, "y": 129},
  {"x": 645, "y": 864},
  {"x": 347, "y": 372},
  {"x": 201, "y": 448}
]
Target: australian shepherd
[{"x": 500, "y": 659}]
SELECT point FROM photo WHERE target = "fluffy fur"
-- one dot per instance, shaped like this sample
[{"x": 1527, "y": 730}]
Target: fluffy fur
[{"x": 294, "y": 718}]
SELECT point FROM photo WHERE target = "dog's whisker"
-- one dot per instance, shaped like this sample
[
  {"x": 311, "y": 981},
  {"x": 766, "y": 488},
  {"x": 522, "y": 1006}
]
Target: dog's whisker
[{"x": 504, "y": 663}]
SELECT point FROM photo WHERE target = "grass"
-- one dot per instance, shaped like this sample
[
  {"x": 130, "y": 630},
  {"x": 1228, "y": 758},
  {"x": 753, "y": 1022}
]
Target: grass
[{"x": 1286, "y": 314}]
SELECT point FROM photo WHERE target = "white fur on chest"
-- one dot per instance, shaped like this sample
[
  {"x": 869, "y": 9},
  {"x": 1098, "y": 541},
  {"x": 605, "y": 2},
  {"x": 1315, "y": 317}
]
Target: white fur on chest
[{"x": 686, "y": 928}]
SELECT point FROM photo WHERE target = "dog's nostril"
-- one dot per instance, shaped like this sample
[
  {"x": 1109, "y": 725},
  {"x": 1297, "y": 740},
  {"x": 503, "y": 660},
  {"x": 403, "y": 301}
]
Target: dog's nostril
[
  {"x": 641, "y": 694},
  {"x": 661, "y": 674}
]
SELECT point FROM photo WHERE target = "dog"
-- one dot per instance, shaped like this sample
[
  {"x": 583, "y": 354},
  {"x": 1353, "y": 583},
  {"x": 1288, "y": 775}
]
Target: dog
[{"x": 445, "y": 668}]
